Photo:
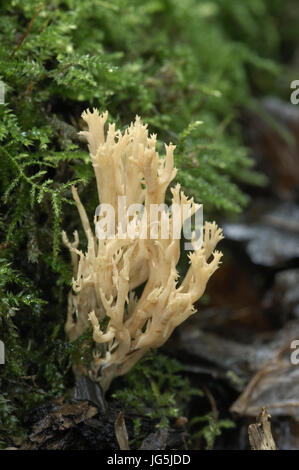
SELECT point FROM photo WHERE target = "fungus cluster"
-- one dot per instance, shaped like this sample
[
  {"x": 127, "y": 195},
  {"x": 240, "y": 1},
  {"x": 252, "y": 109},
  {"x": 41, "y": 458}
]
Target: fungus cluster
[{"x": 106, "y": 275}]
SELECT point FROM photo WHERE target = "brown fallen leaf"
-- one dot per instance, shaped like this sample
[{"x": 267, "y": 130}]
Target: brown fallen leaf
[
  {"x": 275, "y": 385},
  {"x": 121, "y": 432},
  {"x": 62, "y": 417}
]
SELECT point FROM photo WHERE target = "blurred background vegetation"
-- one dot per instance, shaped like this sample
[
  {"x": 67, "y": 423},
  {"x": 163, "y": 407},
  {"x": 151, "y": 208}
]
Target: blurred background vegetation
[{"x": 187, "y": 68}]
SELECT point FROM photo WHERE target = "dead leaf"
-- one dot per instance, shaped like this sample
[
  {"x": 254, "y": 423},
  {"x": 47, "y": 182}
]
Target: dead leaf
[
  {"x": 121, "y": 432},
  {"x": 276, "y": 386},
  {"x": 62, "y": 417},
  {"x": 155, "y": 441}
]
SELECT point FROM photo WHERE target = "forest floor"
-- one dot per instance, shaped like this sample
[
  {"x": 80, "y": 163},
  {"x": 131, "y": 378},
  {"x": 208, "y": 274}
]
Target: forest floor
[{"x": 238, "y": 348}]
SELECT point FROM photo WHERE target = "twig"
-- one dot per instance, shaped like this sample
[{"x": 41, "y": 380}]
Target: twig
[
  {"x": 27, "y": 30},
  {"x": 212, "y": 402}
]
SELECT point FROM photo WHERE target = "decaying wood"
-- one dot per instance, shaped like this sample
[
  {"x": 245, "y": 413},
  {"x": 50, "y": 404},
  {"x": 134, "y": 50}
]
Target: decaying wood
[{"x": 260, "y": 435}]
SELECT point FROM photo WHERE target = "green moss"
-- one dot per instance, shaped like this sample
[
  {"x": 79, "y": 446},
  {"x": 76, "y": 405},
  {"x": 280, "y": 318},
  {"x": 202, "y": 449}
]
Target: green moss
[
  {"x": 210, "y": 429},
  {"x": 155, "y": 388}
]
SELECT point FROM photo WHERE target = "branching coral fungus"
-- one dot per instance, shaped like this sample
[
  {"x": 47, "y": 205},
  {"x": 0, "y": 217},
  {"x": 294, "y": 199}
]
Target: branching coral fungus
[{"x": 105, "y": 276}]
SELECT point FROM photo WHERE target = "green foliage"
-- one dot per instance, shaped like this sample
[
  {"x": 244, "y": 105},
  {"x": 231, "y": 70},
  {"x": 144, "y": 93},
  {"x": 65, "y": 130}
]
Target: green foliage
[
  {"x": 212, "y": 429},
  {"x": 156, "y": 388},
  {"x": 171, "y": 75},
  {"x": 33, "y": 371},
  {"x": 175, "y": 64}
]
